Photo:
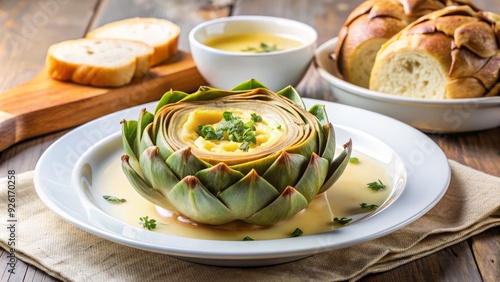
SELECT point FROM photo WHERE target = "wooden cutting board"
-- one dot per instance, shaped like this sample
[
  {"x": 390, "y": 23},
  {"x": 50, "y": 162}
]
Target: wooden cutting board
[{"x": 45, "y": 105}]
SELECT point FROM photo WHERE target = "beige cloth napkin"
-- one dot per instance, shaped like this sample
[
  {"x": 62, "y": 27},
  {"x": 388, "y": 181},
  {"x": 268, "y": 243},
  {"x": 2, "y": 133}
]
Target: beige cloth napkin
[{"x": 470, "y": 206}]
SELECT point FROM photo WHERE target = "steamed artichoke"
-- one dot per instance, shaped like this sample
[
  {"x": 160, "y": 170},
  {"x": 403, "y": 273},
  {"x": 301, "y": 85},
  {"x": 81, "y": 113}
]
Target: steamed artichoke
[{"x": 248, "y": 154}]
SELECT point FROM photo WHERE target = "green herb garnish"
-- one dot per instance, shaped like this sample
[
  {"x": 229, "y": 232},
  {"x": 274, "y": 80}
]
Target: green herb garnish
[
  {"x": 297, "y": 232},
  {"x": 367, "y": 206},
  {"x": 256, "y": 118},
  {"x": 232, "y": 128},
  {"x": 207, "y": 132},
  {"x": 263, "y": 48},
  {"x": 278, "y": 127},
  {"x": 375, "y": 186},
  {"x": 248, "y": 238},
  {"x": 354, "y": 160},
  {"x": 113, "y": 199},
  {"x": 147, "y": 223},
  {"x": 342, "y": 220}
]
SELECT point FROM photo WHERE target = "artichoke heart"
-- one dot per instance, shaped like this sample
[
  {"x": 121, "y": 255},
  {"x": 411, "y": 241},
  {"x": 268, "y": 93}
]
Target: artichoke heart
[{"x": 216, "y": 156}]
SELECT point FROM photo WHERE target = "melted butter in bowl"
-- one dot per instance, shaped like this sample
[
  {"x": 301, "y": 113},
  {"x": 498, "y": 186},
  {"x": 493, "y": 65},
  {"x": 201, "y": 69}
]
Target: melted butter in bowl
[
  {"x": 101, "y": 174},
  {"x": 217, "y": 49},
  {"x": 254, "y": 42}
]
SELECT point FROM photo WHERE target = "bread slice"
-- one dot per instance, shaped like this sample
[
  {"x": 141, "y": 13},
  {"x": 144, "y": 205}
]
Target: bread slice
[
  {"x": 413, "y": 72},
  {"x": 98, "y": 62},
  {"x": 370, "y": 25},
  {"x": 161, "y": 34},
  {"x": 447, "y": 54}
]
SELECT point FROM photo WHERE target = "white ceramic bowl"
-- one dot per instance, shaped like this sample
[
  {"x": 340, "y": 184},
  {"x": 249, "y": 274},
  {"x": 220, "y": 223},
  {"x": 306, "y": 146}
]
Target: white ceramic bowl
[
  {"x": 276, "y": 70},
  {"x": 440, "y": 116}
]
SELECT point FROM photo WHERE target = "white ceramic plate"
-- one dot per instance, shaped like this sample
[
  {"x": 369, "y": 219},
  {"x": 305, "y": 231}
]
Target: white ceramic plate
[
  {"x": 442, "y": 116},
  {"x": 424, "y": 164}
]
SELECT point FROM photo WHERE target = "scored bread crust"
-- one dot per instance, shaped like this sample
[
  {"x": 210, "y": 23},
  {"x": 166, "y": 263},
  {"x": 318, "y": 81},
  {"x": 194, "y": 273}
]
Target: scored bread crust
[
  {"x": 165, "y": 43},
  {"x": 95, "y": 62},
  {"x": 463, "y": 43},
  {"x": 370, "y": 25}
]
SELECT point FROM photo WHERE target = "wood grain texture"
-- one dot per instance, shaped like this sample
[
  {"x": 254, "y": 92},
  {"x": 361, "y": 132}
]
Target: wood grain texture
[
  {"x": 473, "y": 149},
  {"x": 30, "y": 27},
  {"x": 185, "y": 13},
  {"x": 486, "y": 247},
  {"x": 458, "y": 255},
  {"x": 476, "y": 259}
]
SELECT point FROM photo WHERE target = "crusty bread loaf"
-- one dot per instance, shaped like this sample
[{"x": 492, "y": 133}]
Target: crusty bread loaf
[
  {"x": 370, "y": 25},
  {"x": 161, "y": 34},
  {"x": 98, "y": 62},
  {"x": 450, "y": 53}
]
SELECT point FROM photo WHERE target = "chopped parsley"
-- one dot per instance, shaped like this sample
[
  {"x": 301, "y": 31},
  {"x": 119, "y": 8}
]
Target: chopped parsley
[
  {"x": 263, "y": 48},
  {"x": 375, "y": 186},
  {"x": 367, "y": 206},
  {"x": 248, "y": 238},
  {"x": 207, "y": 132},
  {"x": 297, "y": 232},
  {"x": 256, "y": 118},
  {"x": 232, "y": 128},
  {"x": 147, "y": 223},
  {"x": 354, "y": 160},
  {"x": 278, "y": 127},
  {"x": 113, "y": 199},
  {"x": 342, "y": 220}
]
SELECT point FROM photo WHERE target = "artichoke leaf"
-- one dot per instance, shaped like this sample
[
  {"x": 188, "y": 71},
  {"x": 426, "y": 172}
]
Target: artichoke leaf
[
  {"x": 165, "y": 149},
  {"x": 260, "y": 165},
  {"x": 169, "y": 98},
  {"x": 193, "y": 200},
  {"x": 337, "y": 167},
  {"x": 129, "y": 134},
  {"x": 145, "y": 118},
  {"x": 313, "y": 177},
  {"x": 206, "y": 93},
  {"x": 156, "y": 172},
  {"x": 146, "y": 141},
  {"x": 308, "y": 143},
  {"x": 320, "y": 113},
  {"x": 184, "y": 163},
  {"x": 286, "y": 170},
  {"x": 218, "y": 177},
  {"x": 143, "y": 188},
  {"x": 249, "y": 85},
  {"x": 329, "y": 151},
  {"x": 249, "y": 195},
  {"x": 285, "y": 206},
  {"x": 292, "y": 94}
]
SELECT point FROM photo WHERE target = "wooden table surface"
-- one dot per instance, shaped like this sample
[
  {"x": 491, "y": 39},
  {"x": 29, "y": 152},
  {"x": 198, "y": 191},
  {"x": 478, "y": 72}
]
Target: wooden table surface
[{"x": 28, "y": 28}]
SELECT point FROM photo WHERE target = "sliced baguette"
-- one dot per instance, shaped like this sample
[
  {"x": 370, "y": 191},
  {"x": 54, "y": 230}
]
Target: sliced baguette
[
  {"x": 160, "y": 34},
  {"x": 98, "y": 62}
]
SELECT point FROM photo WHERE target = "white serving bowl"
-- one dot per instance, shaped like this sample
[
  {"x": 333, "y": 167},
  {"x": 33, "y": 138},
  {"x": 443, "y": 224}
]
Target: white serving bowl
[
  {"x": 276, "y": 70},
  {"x": 438, "y": 116}
]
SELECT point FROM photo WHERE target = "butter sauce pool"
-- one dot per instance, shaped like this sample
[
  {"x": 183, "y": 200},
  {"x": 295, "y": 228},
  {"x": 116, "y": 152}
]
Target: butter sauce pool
[
  {"x": 342, "y": 200},
  {"x": 251, "y": 42}
]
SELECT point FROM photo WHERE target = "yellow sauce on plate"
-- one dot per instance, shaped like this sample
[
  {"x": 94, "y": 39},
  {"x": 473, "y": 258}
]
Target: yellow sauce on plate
[
  {"x": 342, "y": 200},
  {"x": 251, "y": 43}
]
